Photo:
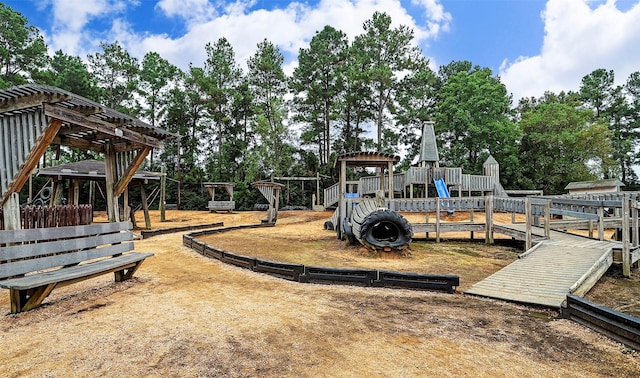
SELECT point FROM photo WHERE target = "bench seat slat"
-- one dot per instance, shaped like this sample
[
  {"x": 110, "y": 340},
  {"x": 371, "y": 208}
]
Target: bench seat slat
[
  {"x": 25, "y": 266},
  {"x": 35, "y": 250},
  {"x": 29, "y": 235},
  {"x": 74, "y": 272}
]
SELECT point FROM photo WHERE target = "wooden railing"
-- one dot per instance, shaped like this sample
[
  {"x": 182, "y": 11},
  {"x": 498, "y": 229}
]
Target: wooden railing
[
  {"x": 52, "y": 216},
  {"x": 331, "y": 195}
]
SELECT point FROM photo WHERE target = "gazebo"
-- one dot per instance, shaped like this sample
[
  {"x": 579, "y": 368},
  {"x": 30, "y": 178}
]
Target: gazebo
[
  {"x": 218, "y": 206},
  {"x": 33, "y": 117},
  {"x": 93, "y": 171}
]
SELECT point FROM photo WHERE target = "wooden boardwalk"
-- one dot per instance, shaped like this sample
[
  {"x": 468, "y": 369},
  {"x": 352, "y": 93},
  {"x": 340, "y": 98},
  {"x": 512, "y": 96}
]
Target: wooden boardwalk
[{"x": 550, "y": 270}]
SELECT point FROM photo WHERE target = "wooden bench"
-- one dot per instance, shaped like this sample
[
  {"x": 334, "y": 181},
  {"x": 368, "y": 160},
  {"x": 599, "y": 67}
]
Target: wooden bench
[{"x": 33, "y": 262}]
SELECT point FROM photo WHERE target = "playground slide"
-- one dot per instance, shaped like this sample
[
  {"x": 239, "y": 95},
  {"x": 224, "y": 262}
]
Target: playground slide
[{"x": 441, "y": 187}]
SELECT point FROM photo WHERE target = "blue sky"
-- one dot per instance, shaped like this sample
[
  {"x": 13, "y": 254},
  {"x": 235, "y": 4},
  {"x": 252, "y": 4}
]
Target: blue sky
[{"x": 534, "y": 45}]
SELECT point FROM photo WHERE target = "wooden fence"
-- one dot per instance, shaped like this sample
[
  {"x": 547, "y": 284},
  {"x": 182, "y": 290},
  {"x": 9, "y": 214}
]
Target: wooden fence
[{"x": 52, "y": 216}]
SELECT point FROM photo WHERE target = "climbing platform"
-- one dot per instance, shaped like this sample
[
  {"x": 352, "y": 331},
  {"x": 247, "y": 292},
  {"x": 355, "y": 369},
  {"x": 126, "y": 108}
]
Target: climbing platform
[{"x": 554, "y": 267}]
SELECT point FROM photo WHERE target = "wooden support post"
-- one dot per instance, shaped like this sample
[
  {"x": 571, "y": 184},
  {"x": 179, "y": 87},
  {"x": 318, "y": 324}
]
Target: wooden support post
[
  {"x": 528, "y": 242},
  {"x": 132, "y": 216},
  {"x": 113, "y": 213},
  {"x": 163, "y": 193},
  {"x": 471, "y": 220},
  {"x": 11, "y": 212},
  {"x": 317, "y": 202},
  {"x": 600, "y": 223},
  {"x": 343, "y": 190},
  {"x": 30, "y": 199},
  {"x": 634, "y": 224},
  {"x": 426, "y": 220},
  {"x": 438, "y": 220},
  {"x": 391, "y": 189},
  {"x": 76, "y": 192},
  {"x": 145, "y": 207},
  {"x": 92, "y": 192},
  {"x": 488, "y": 211},
  {"x": 547, "y": 219},
  {"x": 626, "y": 253},
  {"x": 125, "y": 205}
]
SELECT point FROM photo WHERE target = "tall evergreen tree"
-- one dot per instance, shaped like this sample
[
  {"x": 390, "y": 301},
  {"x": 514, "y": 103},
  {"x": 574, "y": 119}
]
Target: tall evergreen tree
[
  {"x": 318, "y": 86},
  {"x": 268, "y": 83},
  {"x": 117, "y": 75},
  {"x": 156, "y": 75},
  {"x": 415, "y": 104},
  {"x": 70, "y": 73},
  {"x": 223, "y": 76},
  {"x": 384, "y": 53},
  {"x": 23, "y": 52},
  {"x": 611, "y": 106}
]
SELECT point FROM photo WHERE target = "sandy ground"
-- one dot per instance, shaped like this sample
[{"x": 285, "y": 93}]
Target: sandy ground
[{"x": 184, "y": 315}]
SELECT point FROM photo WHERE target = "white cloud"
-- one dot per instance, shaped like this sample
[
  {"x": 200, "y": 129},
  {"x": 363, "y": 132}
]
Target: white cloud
[
  {"x": 290, "y": 27},
  {"x": 578, "y": 40},
  {"x": 70, "y": 18},
  {"x": 192, "y": 11}
]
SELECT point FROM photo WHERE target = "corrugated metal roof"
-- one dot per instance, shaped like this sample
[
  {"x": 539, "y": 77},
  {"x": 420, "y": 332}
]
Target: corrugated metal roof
[
  {"x": 73, "y": 101},
  {"x": 594, "y": 184},
  {"x": 367, "y": 159}
]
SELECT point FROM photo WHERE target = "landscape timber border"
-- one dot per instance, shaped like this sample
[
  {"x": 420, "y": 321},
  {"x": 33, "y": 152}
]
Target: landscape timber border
[{"x": 313, "y": 274}]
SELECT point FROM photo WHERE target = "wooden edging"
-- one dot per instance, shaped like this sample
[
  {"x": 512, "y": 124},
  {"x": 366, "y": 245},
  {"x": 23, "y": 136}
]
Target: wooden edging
[
  {"x": 614, "y": 324},
  {"x": 313, "y": 274},
  {"x": 149, "y": 233}
]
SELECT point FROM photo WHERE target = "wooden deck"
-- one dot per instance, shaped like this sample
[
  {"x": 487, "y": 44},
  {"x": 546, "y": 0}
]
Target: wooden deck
[{"x": 553, "y": 268}]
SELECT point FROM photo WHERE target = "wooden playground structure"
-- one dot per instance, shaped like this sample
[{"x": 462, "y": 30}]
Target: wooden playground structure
[
  {"x": 220, "y": 206},
  {"x": 555, "y": 262},
  {"x": 32, "y": 118}
]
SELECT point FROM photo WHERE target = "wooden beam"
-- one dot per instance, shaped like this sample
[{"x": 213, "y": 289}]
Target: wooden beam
[
  {"x": 77, "y": 143},
  {"x": 130, "y": 171},
  {"x": 31, "y": 101},
  {"x": 74, "y": 117},
  {"x": 145, "y": 207},
  {"x": 34, "y": 156},
  {"x": 113, "y": 212},
  {"x": 163, "y": 188}
]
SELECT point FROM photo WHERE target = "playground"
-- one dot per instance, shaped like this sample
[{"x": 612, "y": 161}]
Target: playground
[
  {"x": 185, "y": 314},
  {"x": 194, "y": 316}
]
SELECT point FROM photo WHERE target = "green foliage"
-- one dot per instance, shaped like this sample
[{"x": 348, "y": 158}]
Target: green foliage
[
  {"x": 382, "y": 53},
  {"x": 222, "y": 77},
  {"x": 416, "y": 101},
  {"x": 23, "y": 51},
  {"x": 471, "y": 117},
  {"x": 70, "y": 73},
  {"x": 561, "y": 144},
  {"x": 615, "y": 106},
  {"x": 117, "y": 73},
  {"x": 318, "y": 84},
  {"x": 374, "y": 93},
  {"x": 268, "y": 84}
]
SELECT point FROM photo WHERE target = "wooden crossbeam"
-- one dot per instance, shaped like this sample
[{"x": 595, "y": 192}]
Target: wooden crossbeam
[
  {"x": 74, "y": 117},
  {"x": 25, "y": 102},
  {"x": 130, "y": 171}
]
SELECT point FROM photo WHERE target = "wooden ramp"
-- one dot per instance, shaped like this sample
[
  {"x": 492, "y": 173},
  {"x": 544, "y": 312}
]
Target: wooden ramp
[{"x": 550, "y": 270}]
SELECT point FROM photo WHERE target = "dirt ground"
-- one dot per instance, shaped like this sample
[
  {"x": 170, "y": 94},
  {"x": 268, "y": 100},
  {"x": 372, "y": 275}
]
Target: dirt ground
[{"x": 189, "y": 316}]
